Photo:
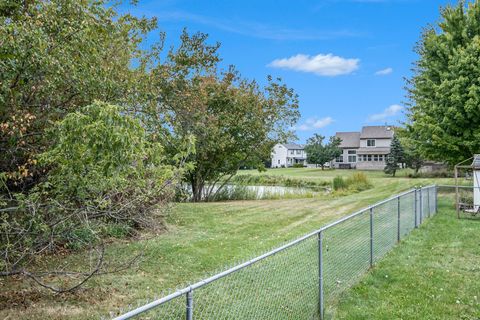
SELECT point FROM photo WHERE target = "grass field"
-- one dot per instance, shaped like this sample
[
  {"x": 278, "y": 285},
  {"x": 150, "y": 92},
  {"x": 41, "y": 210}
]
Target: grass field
[
  {"x": 201, "y": 238},
  {"x": 433, "y": 274}
]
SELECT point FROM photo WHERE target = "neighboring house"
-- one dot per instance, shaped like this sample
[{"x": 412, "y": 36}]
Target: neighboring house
[
  {"x": 287, "y": 154},
  {"x": 365, "y": 150}
]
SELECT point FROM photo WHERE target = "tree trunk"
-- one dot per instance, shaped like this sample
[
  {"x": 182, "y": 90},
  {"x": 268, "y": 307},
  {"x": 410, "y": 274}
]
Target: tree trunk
[{"x": 197, "y": 188}]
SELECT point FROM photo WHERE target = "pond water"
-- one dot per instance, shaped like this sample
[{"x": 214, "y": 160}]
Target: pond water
[{"x": 244, "y": 192}]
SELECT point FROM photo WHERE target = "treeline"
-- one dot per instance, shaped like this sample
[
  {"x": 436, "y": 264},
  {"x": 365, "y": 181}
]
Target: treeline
[{"x": 96, "y": 132}]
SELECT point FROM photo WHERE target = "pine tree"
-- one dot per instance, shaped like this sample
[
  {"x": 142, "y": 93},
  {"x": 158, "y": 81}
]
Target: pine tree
[
  {"x": 444, "y": 91},
  {"x": 395, "y": 157}
]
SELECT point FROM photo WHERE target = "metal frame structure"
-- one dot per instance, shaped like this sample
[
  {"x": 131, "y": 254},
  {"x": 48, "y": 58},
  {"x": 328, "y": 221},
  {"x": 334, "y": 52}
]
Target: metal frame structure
[
  {"x": 460, "y": 165},
  {"x": 395, "y": 221}
]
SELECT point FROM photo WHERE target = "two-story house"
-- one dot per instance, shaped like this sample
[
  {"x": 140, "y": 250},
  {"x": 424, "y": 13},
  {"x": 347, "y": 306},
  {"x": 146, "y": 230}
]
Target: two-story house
[
  {"x": 365, "y": 150},
  {"x": 287, "y": 154}
]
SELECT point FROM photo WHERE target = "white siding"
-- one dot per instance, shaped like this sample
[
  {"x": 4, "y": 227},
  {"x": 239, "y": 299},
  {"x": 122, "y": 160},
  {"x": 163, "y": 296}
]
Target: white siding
[
  {"x": 476, "y": 190},
  {"x": 279, "y": 156},
  {"x": 379, "y": 143}
]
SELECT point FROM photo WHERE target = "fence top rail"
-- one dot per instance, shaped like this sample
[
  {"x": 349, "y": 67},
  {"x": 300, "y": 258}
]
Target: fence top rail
[
  {"x": 454, "y": 186},
  {"x": 220, "y": 275}
]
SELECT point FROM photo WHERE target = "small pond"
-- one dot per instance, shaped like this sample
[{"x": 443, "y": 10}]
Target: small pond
[{"x": 243, "y": 192}]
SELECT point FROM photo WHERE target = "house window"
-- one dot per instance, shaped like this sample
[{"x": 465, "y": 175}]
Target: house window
[
  {"x": 352, "y": 151},
  {"x": 360, "y": 158},
  {"x": 380, "y": 157},
  {"x": 375, "y": 157},
  {"x": 339, "y": 159},
  {"x": 292, "y": 152},
  {"x": 370, "y": 142},
  {"x": 278, "y": 161},
  {"x": 299, "y": 151},
  {"x": 369, "y": 157},
  {"x": 352, "y": 158}
]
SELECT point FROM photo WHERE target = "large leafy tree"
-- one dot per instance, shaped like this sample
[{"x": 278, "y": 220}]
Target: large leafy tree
[
  {"x": 235, "y": 122},
  {"x": 319, "y": 153},
  {"x": 445, "y": 88},
  {"x": 56, "y": 56}
]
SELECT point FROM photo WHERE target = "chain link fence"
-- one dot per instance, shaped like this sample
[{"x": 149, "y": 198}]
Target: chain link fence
[{"x": 304, "y": 278}]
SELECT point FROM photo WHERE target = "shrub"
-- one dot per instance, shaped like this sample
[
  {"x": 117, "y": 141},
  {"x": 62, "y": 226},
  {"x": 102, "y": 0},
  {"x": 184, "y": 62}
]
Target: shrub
[
  {"x": 298, "y": 165},
  {"x": 105, "y": 178},
  {"x": 339, "y": 183},
  {"x": 433, "y": 174},
  {"x": 358, "y": 182}
]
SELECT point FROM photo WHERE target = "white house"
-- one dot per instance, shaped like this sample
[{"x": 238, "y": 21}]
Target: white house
[
  {"x": 365, "y": 150},
  {"x": 287, "y": 154}
]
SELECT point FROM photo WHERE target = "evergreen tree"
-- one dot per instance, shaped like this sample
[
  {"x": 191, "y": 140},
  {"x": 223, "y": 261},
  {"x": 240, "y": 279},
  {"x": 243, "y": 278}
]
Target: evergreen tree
[
  {"x": 395, "y": 157},
  {"x": 445, "y": 88}
]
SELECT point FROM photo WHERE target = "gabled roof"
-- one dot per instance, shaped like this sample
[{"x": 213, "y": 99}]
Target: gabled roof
[
  {"x": 349, "y": 139},
  {"x": 293, "y": 146},
  {"x": 378, "y": 132}
]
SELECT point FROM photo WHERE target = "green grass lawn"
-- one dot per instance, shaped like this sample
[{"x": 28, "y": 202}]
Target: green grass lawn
[
  {"x": 201, "y": 238},
  {"x": 433, "y": 274}
]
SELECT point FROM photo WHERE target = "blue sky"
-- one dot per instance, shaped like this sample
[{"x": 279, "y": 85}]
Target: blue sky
[{"x": 346, "y": 59}]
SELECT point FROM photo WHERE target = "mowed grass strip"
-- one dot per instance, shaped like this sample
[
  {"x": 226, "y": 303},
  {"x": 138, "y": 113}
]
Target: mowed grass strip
[
  {"x": 201, "y": 239},
  {"x": 433, "y": 274}
]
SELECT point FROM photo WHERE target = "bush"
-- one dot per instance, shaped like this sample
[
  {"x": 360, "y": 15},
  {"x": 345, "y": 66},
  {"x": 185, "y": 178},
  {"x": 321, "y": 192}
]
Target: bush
[
  {"x": 357, "y": 182},
  {"x": 339, "y": 183},
  {"x": 433, "y": 174},
  {"x": 105, "y": 179},
  {"x": 298, "y": 165}
]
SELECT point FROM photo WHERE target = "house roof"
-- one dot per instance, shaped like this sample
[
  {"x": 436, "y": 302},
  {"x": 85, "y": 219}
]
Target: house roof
[
  {"x": 377, "y": 132},
  {"x": 376, "y": 150},
  {"x": 293, "y": 146},
  {"x": 476, "y": 161},
  {"x": 349, "y": 139}
]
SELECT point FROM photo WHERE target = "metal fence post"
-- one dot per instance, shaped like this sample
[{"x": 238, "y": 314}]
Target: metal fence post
[
  {"x": 436, "y": 198},
  {"x": 421, "y": 205},
  {"x": 371, "y": 237},
  {"x": 189, "y": 314},
  {"x": 398, "y": 219},
  {"x": 428, "y": 201},
  {"x": 321, "y": 307},
  {"x": 416, "y": 205}
]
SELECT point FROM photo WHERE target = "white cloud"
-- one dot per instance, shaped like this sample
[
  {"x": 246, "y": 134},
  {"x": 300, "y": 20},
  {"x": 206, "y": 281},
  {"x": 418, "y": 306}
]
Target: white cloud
[
  {"x": 321, "y": 64},
  {"x": 384, "y": 72},
  {"x": 314, "y": 123},
  {"x": 391, "y": 111}
]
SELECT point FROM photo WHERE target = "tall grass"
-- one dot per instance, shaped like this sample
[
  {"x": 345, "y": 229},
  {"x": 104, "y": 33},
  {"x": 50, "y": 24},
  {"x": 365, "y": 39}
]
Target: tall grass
[
  {"x": 271, "y": 180},
  {"x": 357, "y": 182},
  {"x": 243, "y": 192}
]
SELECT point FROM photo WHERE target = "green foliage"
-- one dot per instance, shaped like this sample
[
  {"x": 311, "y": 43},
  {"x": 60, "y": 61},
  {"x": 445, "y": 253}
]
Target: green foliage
[
  {"x": 271, "y": 180},
  {"x": 98, "y": 150},
  {"x": 235, "y": 121},
  {"x": 339, "y": 183},
  {"x": 298, "y": 165},
  {"x": 445, "y": 88},
  {"x": 319, "y": 153},
  {"x": 395, "y": 157},
  {"x": 57, "y": 56},
  {"x": 104, "y": 172},
  {"x": 356, "y": 183}
]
